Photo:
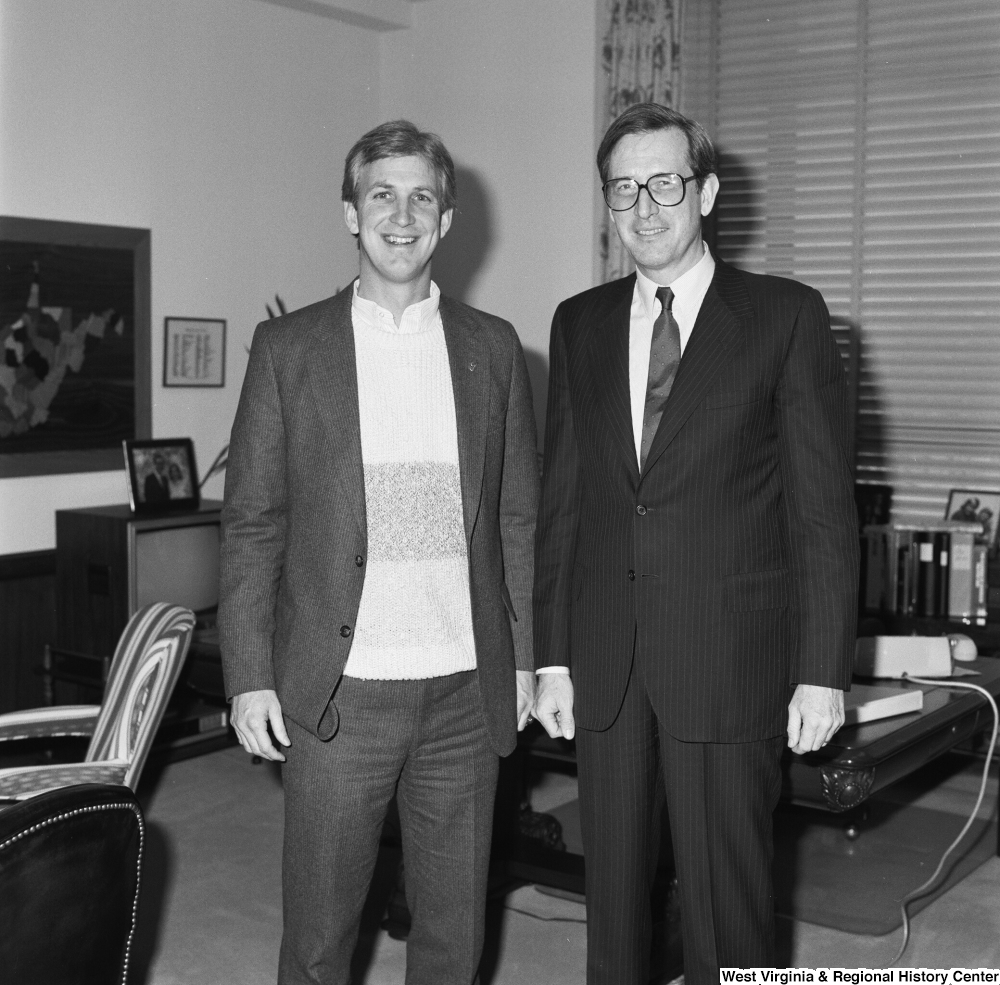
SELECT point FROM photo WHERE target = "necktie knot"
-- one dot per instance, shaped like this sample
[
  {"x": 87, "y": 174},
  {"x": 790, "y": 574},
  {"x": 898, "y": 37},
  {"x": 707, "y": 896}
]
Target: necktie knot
[{"x": 666, "y": 297}]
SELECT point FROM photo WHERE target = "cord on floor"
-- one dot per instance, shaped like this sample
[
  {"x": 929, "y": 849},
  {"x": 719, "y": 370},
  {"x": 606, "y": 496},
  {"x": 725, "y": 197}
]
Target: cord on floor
[{"x": 921, "y": 889}]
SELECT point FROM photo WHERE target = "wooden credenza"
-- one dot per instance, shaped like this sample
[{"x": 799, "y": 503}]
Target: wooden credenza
[{"x": 109, "y": 563}]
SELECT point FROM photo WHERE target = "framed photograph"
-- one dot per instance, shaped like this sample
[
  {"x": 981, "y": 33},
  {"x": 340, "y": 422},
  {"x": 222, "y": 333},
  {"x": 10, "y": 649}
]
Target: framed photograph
[
  {"x": 161, "y": 475},
  {"x": 194, "y": 352},
  {"x": 976, "y": 506},
  {"x": 74, "y": 345}
]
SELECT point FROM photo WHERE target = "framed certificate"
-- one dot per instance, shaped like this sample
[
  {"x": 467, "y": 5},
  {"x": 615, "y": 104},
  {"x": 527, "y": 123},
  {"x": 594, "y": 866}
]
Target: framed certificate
[{"x": 194, "y": 352}]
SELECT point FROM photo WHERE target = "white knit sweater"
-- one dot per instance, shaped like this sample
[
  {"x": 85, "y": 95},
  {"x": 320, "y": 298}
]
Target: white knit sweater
[{"x": 415, "y": 618}]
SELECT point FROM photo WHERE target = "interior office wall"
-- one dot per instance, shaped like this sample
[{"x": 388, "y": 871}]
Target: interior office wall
[
  {"x": 222, "y": 126},
  {"x": 510, "y": 88}
]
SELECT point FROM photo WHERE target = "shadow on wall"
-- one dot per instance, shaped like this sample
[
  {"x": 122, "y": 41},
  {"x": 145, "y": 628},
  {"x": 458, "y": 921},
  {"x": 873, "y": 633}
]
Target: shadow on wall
[
  {"x": 462, "y": 253},
  {"x": 538, "y": 374},
  {"x": 739, "y": 212},
  {"x": 739, "y": 200}
]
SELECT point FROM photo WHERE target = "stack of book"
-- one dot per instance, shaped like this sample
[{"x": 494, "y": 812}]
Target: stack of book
[{"x": 936, "y": 570}]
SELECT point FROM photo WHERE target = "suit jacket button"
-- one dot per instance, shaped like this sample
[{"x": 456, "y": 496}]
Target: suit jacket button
[
  {"x": 359, "y": 560},
  {"x": 345, "y": 631},
  {"x": 631, "y": 576},
  {"x": 641, "y": 510}
]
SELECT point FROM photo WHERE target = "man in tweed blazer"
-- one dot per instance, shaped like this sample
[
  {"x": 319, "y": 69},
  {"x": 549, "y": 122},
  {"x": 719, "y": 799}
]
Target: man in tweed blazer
[
  {"x": 696, "y": 558},
  {"x": 375, "y": 608}
]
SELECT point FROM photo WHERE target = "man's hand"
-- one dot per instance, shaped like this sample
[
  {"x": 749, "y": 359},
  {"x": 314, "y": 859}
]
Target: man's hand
[
  {"x": 525, "y": 697},
  {"x": 251, "y": 713},
  {"x": 814, "y": 714},
  {"x": 554, "y": 705}
]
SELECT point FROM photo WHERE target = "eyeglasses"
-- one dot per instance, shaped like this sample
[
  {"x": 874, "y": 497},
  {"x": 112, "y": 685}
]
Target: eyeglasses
[{"x": 664, "y": 189}]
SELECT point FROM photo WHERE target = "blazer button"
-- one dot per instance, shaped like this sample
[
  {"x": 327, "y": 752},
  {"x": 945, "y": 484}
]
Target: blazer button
[
  {"x": 359, "y": 560},
  {"x": 631, "y": 576},
  {"x": 641, "y": 510},
  {"x": 345, "y": 631}
]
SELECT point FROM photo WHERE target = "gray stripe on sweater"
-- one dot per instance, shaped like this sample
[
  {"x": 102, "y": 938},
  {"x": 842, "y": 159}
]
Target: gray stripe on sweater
[{"x": 414, "y": 511}]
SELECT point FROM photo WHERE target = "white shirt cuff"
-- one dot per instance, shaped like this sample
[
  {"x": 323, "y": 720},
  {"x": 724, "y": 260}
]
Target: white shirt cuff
[{"x": 552, "y": 670}]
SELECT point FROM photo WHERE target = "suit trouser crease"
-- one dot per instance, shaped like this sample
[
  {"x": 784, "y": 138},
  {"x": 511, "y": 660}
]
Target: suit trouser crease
[
  {"x": 720, "y": 798},
  {"x": 426, "y": 742}
]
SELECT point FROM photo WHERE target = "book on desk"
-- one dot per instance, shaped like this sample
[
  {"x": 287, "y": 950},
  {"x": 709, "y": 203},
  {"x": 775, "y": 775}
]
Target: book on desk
[{"x": 870, "y": 702}]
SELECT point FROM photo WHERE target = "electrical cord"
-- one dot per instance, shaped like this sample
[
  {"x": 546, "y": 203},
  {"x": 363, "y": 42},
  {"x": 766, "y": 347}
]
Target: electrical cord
[{"x": 920, "y": 890}]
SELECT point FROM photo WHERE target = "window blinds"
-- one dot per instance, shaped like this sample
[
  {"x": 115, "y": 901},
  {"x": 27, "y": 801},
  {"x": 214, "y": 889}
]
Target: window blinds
[{"x": 860, "y": 153}]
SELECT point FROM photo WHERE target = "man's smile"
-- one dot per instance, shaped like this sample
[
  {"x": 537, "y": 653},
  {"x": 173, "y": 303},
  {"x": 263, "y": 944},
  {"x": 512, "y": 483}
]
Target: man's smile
[{"x": 395, "y": 240}]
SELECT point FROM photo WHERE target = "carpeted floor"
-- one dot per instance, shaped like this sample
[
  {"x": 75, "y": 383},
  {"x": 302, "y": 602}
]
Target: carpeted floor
[
  {"x": 855, "y": 884},
  {"x": 211, "y": 910}
]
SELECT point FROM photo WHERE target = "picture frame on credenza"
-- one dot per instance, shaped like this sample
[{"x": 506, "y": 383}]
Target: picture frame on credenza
[{"x": 162, "y": 476}]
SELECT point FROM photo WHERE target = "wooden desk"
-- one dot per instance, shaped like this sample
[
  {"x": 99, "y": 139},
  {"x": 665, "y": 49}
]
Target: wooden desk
[
  {"x": 859, "y": 761},
  {"x": 863, "y": 759}
]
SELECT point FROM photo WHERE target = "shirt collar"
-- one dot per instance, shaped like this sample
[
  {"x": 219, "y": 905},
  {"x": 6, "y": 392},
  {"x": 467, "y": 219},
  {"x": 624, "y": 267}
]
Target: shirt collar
[
  {"x": 690, "y": 286},
  {"x": 419, "y": 317}
]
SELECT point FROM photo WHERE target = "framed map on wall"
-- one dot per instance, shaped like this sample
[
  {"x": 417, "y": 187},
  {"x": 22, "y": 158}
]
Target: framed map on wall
[{"x": 74, "y": 345}]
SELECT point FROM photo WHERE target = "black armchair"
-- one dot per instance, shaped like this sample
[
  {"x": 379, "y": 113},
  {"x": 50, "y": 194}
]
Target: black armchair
[{"x": 70, "y": 865}]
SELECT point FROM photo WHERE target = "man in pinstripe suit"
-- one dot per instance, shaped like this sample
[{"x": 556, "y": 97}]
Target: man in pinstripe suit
[{"x": 696, "y": 558}]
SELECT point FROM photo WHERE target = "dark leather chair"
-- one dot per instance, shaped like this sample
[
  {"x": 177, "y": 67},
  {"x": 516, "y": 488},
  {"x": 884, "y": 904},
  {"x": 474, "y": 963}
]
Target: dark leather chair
[{"x": 70, "y": 865}]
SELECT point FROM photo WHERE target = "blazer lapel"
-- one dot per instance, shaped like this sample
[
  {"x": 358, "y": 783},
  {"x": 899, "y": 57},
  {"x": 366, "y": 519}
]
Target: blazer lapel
[
  {"x": 609, "y": 325},
  {"x": 469, "y": 359},
  {"x": 333, "y": 375},
  {"x": 717, "y": 332}
]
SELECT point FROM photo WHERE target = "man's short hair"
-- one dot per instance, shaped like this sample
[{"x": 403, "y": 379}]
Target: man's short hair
[
  {"x": 400, "y": 138},
  {"x": 650, "y": 117}
]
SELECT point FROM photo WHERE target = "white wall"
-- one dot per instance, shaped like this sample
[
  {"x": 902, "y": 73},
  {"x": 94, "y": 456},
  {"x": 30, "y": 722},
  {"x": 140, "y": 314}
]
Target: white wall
[
  {"x": 221, "y": 125},
  {"x": 509, "y": 85}
]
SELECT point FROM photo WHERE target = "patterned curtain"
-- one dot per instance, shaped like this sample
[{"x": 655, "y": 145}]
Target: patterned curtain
[{"x": 640, "y": 57}]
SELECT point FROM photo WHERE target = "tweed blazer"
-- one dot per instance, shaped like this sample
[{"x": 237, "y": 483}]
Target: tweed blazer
[
  {"x": 294, "y": 539},
  {"x": 729, "y": 566}
]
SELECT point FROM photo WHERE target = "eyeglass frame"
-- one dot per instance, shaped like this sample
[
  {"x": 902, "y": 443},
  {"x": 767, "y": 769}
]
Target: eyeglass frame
[{"x": 684, "y": 181}]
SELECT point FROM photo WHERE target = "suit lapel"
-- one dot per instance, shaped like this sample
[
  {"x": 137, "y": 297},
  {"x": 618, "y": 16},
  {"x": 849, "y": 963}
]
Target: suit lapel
[
  {"x": 469, "y": 359},
  {"x": 609, "y": 324},
  {"x": 333, "y": 375},
  {"x": 717, "y": 332}
]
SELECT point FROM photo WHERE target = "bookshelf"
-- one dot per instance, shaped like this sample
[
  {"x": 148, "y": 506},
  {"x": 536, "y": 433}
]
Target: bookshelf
[{"x": 925, "y": 571}]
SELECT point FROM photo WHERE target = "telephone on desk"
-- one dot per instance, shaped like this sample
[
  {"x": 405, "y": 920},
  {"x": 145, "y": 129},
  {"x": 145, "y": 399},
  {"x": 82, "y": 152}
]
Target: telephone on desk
[{"x": 911, "y": 656}]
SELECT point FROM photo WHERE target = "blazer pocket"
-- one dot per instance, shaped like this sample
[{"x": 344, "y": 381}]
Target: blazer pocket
[
  {"x": 757, "y": 590},
  {"x": 734, "y": 398}
]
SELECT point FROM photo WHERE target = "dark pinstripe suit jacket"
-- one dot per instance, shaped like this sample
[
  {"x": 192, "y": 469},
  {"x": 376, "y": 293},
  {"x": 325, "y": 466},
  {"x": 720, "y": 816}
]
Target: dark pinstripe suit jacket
[
  {"x": 294, "y": 528},
  {"x": 732, "y": 560}
]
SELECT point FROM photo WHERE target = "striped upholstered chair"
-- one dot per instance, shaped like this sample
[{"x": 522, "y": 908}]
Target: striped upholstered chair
[{"x": 146, "y": 664}]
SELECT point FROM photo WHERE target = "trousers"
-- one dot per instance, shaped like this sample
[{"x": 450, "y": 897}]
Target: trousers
[
  {"x": 720, "y": 798},
  {"x": 426, "y": 742}
]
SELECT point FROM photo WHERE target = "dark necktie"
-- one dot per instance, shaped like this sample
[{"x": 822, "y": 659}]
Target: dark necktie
[{"x": 664, "y": 358}]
